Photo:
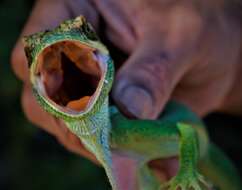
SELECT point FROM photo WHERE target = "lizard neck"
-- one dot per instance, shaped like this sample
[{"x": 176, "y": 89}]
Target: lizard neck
[
  {"x": 91, "y": 124},
  {"x": 93, "y": 131}
]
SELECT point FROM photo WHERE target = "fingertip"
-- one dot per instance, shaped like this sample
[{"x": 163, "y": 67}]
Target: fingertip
[
  {"x": 19, "y": 62},
  {"x": 135, "y": 101},
  {"x": 29, "y": 106}
]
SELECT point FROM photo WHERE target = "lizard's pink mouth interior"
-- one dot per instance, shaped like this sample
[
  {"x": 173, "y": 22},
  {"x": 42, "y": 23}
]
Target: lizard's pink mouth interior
[{"x": 69, "y": 73}]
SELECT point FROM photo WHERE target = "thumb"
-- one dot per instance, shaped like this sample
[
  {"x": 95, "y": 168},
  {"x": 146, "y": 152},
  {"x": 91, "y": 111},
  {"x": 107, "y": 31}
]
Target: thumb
[{"x": 145, "y": 82}]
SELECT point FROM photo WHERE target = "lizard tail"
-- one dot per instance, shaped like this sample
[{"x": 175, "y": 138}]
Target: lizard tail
[{"x": 217, "y": 167}]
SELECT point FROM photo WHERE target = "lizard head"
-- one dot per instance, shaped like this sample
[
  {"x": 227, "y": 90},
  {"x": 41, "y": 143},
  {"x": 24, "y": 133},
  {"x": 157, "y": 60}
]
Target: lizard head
[
  {"x": 70, "y": 70},
  {"x": 71, "y": 74}
]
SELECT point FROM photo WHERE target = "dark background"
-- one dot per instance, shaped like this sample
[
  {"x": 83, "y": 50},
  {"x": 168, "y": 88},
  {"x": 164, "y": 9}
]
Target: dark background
[{"x": 30, "y": 159}]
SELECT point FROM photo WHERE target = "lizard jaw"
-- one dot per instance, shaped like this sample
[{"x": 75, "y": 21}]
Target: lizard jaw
[{"x": 70, "y": 75}]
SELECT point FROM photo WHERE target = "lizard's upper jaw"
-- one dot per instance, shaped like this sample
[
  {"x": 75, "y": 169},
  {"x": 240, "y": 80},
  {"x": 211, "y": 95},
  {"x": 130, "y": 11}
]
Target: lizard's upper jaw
[{"x": 69, "y": 75}]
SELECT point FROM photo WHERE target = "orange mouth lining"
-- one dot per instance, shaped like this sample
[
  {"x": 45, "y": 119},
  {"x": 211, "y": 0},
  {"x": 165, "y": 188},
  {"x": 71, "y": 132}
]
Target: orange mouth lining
[{"x": 70, "y": 74}]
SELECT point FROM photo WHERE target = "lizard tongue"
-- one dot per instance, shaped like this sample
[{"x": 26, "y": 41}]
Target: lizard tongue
[{"x": 79, "y": 105}]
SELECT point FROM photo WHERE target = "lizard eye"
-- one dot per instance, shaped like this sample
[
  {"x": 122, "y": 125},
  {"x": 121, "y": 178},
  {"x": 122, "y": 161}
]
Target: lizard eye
[{"x": 69, "y": 73}]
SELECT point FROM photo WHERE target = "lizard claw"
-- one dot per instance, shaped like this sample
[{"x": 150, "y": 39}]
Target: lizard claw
[{"x": 187, "y": 181}]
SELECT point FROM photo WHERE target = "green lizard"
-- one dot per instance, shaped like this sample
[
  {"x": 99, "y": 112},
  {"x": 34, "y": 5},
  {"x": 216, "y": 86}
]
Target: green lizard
[{"x": 72, "y": 73}]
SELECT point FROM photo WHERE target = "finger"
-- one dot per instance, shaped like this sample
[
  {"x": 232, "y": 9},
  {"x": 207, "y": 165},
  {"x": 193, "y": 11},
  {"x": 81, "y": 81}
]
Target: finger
[
  {"x": 146, "y": 80},
  {"x": 86, "y": 8},
  {"x": 165, "y": 168},
  {"x": 36, "y": 114},
  {"x": 52, "y": 125},
  {"x": 46, "y": 14},
  {"x": 73, "y": 144},
  {"x": 126, "y": 171},
  {"x": 118, "y": 26}
]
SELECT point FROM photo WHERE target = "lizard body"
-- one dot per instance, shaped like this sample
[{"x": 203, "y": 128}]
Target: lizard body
[{"x": 178, "y": 131}]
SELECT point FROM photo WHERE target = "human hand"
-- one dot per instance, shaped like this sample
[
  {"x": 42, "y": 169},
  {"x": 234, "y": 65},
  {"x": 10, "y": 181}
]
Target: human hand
[{"x": 175, "y": 51}]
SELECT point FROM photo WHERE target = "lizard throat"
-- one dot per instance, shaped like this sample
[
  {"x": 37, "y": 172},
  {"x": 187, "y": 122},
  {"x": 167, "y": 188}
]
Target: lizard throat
[{"x": 68, "y": 74}]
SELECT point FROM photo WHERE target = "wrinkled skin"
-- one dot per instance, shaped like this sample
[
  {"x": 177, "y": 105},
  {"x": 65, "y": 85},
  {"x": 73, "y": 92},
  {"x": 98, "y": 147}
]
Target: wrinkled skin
[{"x": 185, "y": 50}]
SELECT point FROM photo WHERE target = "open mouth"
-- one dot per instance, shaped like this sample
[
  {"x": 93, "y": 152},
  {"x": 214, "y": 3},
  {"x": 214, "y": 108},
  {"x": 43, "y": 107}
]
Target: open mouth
[{"x": 69, "y": 73}]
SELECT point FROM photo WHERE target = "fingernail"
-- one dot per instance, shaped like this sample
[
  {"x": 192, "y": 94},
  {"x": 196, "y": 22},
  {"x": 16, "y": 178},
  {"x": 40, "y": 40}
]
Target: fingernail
[{"x": 136, "y": 101}]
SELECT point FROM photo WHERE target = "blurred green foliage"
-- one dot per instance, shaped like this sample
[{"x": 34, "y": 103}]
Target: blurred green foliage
[{"x": 30, "y": 159}]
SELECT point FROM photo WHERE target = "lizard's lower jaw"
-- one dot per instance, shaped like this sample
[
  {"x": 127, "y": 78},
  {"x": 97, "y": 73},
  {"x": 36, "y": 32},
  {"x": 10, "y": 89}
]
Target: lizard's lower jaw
[{"x": 68, "y": 74}]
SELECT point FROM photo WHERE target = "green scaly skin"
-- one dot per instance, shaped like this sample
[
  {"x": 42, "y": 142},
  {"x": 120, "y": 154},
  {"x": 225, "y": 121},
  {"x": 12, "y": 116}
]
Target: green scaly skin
[{"x": 178, "y": 131}]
